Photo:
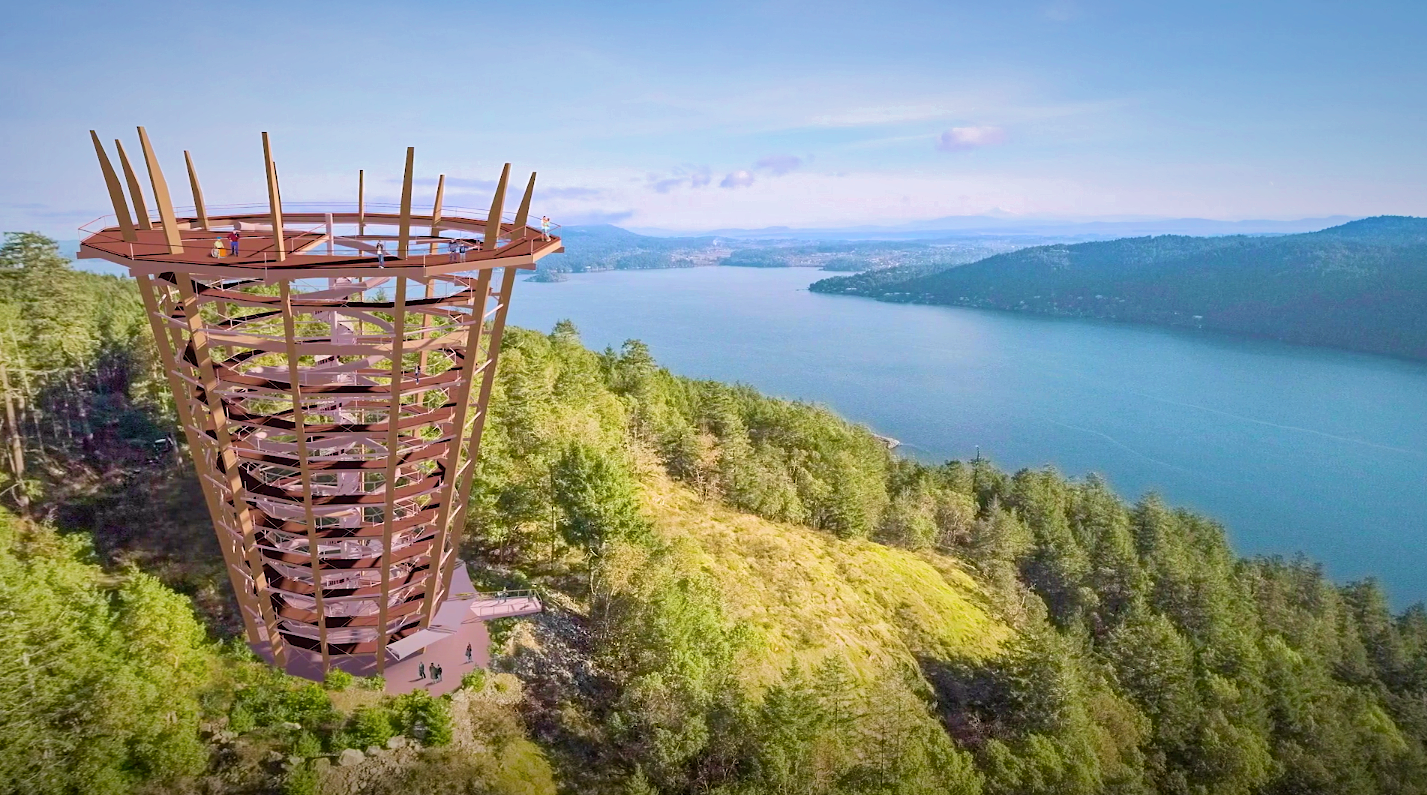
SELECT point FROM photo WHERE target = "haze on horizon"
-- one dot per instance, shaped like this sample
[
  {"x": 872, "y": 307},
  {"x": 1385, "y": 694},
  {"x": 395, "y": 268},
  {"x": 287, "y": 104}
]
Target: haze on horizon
[{"x": 688, "y": 117}]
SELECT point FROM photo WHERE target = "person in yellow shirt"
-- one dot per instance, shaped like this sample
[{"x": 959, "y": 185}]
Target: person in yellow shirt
[{"x": 219, "y": 250}]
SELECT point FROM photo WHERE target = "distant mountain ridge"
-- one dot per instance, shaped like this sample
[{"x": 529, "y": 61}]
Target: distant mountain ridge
[
  {"x": 1002, "y": 225},
  {"x": 1359, "y": 286}
]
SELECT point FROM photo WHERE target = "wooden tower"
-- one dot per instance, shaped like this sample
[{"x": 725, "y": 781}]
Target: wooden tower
[{"x": 332, "y": 379}]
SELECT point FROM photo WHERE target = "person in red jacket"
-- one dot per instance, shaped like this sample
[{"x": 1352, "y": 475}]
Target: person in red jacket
[{"x": 233, "y": 242}]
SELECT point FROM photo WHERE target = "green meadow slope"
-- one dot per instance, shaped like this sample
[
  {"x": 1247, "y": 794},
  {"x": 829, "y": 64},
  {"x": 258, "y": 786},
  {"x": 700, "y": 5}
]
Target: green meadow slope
[{"x": 803, "y": 595}]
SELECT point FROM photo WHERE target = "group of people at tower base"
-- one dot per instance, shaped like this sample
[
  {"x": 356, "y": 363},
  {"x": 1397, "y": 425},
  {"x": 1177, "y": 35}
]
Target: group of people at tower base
[{"x": 436, "y": 669}]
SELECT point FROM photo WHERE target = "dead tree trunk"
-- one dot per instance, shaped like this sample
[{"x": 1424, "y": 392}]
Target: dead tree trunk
[{"x": 17, "y": 444}]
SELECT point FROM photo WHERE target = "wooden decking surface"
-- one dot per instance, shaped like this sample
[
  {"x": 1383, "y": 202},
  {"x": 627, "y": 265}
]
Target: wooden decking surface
[{"x": 257, "y": 251}]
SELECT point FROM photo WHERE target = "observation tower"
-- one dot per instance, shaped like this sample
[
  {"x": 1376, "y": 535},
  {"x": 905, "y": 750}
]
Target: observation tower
[{"x": 332, "y": 379}]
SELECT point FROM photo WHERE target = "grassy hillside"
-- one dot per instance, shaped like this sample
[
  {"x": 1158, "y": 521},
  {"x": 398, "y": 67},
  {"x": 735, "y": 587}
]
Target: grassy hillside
[
  {"x": 1360, "y": 286},
  {"x": 804, "y": 595}
]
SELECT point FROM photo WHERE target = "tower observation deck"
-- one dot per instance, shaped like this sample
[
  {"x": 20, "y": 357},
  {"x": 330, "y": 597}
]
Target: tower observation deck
[{"x": 331, "y": 374}]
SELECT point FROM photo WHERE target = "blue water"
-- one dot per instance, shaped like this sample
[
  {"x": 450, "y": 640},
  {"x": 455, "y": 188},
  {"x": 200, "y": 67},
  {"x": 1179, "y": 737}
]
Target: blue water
[{"x": 1291, "y": 448}]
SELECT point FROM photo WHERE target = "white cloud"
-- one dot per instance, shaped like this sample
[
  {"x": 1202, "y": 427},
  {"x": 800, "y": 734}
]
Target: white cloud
[
  {"x": 741, "y": 178},
  {"x": 959, "y": 139}
]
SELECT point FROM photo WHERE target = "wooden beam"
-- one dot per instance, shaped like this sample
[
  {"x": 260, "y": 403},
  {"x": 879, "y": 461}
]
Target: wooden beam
[
  {"x": 436, "y": 209},
  {"x": 274, "y": 201},
  {"x": 141, "y": 213},
  {"x": 294, "y": 376},
  {"x": 497, "y": 207},
  {"x": 404, "y": 227},
  {"x": 522, "y": 216},
  {"x": 116, "y": 191},
  {"x": 161, "y": 197},
  {"x": 198, "y": 205},
  {"x": 393, "y": 456},
  {"x": 198, "y": 442},
  {"x": 198, "y": 339},
  {"x": 507, "y": 283},
  {"x": 450, "y": 467},
  {"x": 361, "y": 202}
]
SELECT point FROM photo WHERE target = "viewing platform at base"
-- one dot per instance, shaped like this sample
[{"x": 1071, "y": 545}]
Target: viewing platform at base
[{"x": 462, "y": 623}]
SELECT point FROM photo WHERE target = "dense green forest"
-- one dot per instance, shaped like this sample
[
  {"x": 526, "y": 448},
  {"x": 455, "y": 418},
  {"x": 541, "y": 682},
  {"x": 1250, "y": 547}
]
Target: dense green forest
[
  {"x": 744, "y": 595},
  {"x": 1360, "y": 286}
]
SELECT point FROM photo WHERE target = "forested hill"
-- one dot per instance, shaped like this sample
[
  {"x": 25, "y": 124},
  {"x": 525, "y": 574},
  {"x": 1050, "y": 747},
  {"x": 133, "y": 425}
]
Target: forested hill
[
  {"x": 744, "y": 595},
  {"x": 1360, "y": 286}
]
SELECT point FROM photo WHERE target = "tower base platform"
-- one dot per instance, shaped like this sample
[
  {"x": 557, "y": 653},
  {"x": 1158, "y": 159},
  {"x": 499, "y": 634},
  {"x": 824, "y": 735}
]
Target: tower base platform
[{"x": 461, "y": 622}]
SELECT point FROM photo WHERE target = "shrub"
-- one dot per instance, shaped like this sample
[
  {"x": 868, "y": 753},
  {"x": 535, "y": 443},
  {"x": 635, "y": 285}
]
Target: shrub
[
  {"x": 371, "y": 682},
  {"x": 308, "y": 705},
  {"x": 500, "y": 630},
  {"x": 338, "y": 680},
  {"x": 474, "y": 680},
  {"x": 240, "y": 719},
  {"x": 301, "y": 780},
  {"x": 370, "y": 726},
  {"x": 417, "y": 714},
  {"x": 340, "y": 741},
  {"x": 307, "y": 745}
]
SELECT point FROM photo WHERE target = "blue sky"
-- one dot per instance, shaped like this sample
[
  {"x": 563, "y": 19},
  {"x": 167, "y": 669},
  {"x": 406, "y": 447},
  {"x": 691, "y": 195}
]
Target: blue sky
[{"x": 699, "y": 116}]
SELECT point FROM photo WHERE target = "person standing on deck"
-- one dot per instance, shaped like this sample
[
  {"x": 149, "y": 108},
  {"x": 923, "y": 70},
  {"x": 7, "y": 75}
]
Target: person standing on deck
[
  {"x": 545, "y": 228},
  {"x": 421, "y": 671},
  {"x": 381, "y": 254},
  {"x": 233, "y": 237},
  {"x": 468, "y": 654}
]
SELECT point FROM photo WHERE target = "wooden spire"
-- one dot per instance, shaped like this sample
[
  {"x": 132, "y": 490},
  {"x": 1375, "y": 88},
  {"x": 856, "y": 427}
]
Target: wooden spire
[
  {"x": 404, "y": 229},
  {"x": 497, "y": 207},
  {"x": 198, "y": 206},
  {"x": 141, "y": 213},
  {"x": 274, "y": 201},
  {"x": 161, "y": 196},
  {"x": 116, "y": 191},
  {"x": 522, "y": 216}
]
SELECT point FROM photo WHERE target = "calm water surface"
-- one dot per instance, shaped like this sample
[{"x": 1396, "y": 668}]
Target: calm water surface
[{"x": 1292, "y": 448}]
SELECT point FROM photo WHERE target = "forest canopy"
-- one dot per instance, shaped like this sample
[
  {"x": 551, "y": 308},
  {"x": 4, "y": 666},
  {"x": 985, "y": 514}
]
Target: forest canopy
[
  {"x": 744, "y": 595},
  {"x": 1360, "y": 286}
]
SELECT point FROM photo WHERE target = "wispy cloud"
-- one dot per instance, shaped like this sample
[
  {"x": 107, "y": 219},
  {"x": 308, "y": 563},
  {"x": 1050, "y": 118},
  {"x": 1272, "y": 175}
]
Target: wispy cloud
[
  {"x": 778, "y": 165},
  {"x": 452, "y": 182},
  {"x": 890, "y": 114},
  {"x": 570, "y": 192},
  {"x": 691, "y": 176},
  {"x": 1061, "y": 10},
  {"x": 741, "y": 178},
  {"x": 595, "y": 217},
  {"x": 960, "y": 139}
]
